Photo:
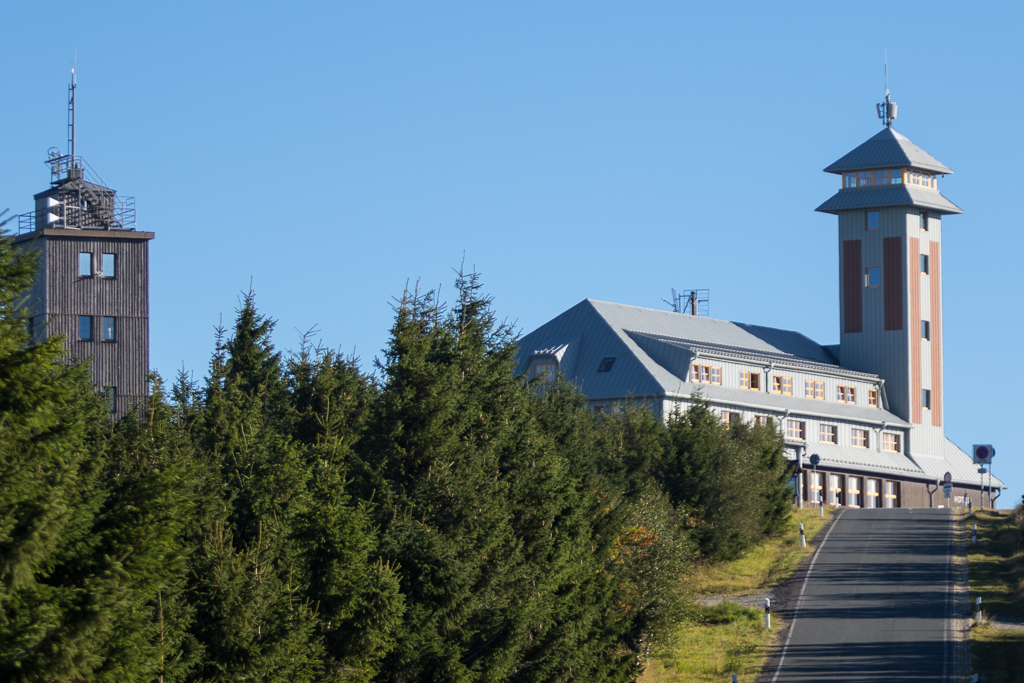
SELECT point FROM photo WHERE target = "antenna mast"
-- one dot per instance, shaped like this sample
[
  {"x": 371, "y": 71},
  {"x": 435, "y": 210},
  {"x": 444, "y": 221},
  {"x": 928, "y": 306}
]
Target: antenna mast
[
  {"x": 887, "y": 109},
  {"x": 71, "y": 114}
]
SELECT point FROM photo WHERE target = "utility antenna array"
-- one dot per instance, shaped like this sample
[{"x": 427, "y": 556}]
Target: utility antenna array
[
  {"x": 71, "y": 111},
  {"x": 887, "y": 109},
  {"x": 691, "y": 302}
]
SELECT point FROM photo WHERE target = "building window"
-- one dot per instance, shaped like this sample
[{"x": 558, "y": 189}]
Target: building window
[
  {"x": 890, "y": 442},
  {"x": 107, "y": 329},
  {"x": 728, "y": 417},
  {"x": 863, "y": 178},
  {"x": 761, "y": 420},
  {"x": 871, "y": 497},
  {"x": 606, "y": 365},
  {"x": 890, "y": 494},
  {"x": 846, "y": 394},
  {"x": 897, "y": 176},
  {"x": 853, "y": 492},
  {"x": 545, "y": 371},
  {"x": 706, "y": 373},
  {"x": 85, "y": 327},
  {"x": 814, "y": 486},
  {"x": 873, "y": 398},
  {"x": 750, "y": 379},
  {"x": 796, "y": 430},
  {"x": 882, "y": 177},
  {"x": 110, "y": 396},
  {"x": 926, "y": 330},
  {"x": 828, "y": 434},
  {"x": 924, "y": 222},
  {"x": 835, "y": 489},
  {"x": 874, "y": 220},
  {"x": 872, "y": 277},
  {"x": 924, "y": 263},
  {"x": 782, "y": 385},
  {"x": 608, "y": 411},
  {"x": 926, "y": 399},
  {"x": 851, "y": 180},
  {"x": 814, "y": 389},
  {"x": 107, "y": 265},
  {"x": 84, "y": 264},
  {"x": 860, "y": 438}
]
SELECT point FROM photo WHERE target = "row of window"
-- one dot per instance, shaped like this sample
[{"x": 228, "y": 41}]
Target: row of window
[
  {"x": 873, "y": 274},
  {"x": 107, "y": 264},
  {"x": 873, "y": 220},
  {"x": 877, "y": 493},
  {"x": 889, "y": 176},
  {"x": 781, "y": 384},
  {"x": 796, "y": 430},
  {"x": 108, "y": 328}
]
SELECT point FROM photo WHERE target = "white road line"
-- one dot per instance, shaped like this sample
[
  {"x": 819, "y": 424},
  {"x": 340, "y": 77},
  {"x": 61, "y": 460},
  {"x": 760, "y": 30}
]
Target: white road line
[{"x": 796, "y": 610}]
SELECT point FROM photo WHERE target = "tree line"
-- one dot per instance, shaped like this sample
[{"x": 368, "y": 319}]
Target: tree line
[{"x": 292, "y": 518}]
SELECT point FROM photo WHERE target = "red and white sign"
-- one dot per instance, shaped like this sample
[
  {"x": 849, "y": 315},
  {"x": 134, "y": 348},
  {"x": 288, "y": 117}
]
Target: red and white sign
[{"x": 983, "y": 453}]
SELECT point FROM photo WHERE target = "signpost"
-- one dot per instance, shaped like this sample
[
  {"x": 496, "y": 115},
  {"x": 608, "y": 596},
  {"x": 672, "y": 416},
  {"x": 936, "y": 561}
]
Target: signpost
[
  {"x": 815, "y": 459},
  {"x": 947, "y": 486},
  {"x": 983, "y": 454}
]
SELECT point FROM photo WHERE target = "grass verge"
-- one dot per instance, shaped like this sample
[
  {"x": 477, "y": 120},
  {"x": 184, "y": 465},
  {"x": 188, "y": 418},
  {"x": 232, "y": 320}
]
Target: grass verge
[
  {"x": 996, "y": 573},
  {"x": 727, "y": 638}
]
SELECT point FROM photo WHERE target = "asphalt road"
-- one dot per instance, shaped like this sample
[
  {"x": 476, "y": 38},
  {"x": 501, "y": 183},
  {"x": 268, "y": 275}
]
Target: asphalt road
[{"x": 876, "y": 604}]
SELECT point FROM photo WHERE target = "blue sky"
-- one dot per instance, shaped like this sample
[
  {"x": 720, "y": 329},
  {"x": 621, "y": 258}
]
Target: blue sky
[{"x": 330, "y": 152}]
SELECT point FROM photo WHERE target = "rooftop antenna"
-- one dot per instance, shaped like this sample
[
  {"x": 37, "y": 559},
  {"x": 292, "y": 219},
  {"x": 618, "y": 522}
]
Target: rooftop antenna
[
  {"x": 887, "y": 109},
  {"x": 71, "y": 112}
]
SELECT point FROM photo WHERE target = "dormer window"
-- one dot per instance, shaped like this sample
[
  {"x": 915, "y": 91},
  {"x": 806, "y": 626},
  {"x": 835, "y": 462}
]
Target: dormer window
[
  {"x": 606, "y": 365},
  {"x": 546, "y": 372}
]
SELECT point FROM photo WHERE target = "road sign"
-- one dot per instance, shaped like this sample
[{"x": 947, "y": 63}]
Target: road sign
[
  {"x": 815, "y": 459},
  {"x": 983, "y": 453},
  {"x": 947, "y": 477},
  {"x": 947, "y": 490}
]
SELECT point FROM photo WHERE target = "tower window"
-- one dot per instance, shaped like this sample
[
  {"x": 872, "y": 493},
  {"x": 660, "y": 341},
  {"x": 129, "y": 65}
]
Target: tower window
[
  {"x": 897, "y": 176},
  {"x": 874, "y": 220},
  {"x": 872, "y": 277},
  {"x": 84, "y": 264},
  {"x": 851, "y": 180},
  {"x": 107, "y": 329},
  {"x": 882, "y": 177},
  {"x": 926, "y": 399},
  {"x": 108, "y": 266},
  {"x": 85, "y": 327},
  {"x": 924, "y": 263},
  {"x": 926, "y": 330},
  {"x": 606, "y": 365}
]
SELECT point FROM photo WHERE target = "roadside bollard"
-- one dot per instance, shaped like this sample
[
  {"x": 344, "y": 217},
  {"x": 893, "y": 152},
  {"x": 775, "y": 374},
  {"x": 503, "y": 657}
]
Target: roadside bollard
[
  {"x": 803, "y": 539},
  {"x": 970, "y": 506},
  {"x": 974, "y": 538},
  {"x": 768, "y": 613},
  {"x": 821, "y": 509},
  {"x": 977, "y": 617}
]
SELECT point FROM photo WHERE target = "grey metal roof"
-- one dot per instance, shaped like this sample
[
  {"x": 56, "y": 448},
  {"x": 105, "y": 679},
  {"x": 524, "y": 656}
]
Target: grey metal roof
[
  {"x": 653, "y": 350},
  {"x": 888, "y": 195},
  {"x": 888, "y": 149},
  {"x": 865, "y": 460},
  {"x": 796, "y": 405}
]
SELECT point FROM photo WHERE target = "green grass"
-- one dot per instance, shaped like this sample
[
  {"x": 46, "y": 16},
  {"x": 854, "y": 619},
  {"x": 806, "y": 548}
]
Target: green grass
[
  {"x": 996, "y": 571},
  {"x": 727, "y": 638}
]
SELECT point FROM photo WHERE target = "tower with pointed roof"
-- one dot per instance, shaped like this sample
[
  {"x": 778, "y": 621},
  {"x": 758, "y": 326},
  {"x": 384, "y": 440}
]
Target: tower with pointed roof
[{"x": 890, "y": 214}]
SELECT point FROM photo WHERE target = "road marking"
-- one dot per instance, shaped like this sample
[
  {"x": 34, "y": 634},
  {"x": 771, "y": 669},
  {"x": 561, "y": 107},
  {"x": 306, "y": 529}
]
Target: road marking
[{"x": 800, "y": 597}]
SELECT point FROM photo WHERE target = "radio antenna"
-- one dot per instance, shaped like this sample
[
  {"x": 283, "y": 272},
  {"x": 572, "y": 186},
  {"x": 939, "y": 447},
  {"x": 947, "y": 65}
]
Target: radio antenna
[
  {"x": 887, "y": 109},
  {"x": 71, "y": 112}
]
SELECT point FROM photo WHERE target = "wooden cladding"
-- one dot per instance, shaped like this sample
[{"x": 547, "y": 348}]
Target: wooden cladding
[
  {"x": 892, "y": 281},
  {"x": 935, "y": 296},
  {"x": 853, "y": 295},
  {"x": 914, "y": 247}
]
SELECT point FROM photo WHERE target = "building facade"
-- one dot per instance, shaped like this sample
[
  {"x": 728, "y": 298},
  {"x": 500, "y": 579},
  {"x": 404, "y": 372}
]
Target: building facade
[{"x": 869, "y": 407}]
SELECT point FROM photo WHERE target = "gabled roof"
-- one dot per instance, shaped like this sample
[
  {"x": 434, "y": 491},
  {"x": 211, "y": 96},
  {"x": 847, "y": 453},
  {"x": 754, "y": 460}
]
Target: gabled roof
[
  {"x": 653, "y": 350},
  {"x": 888, "y": 195},
  {"x": 888, "y": 149}
]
